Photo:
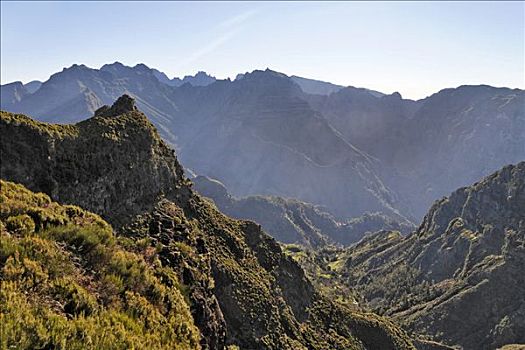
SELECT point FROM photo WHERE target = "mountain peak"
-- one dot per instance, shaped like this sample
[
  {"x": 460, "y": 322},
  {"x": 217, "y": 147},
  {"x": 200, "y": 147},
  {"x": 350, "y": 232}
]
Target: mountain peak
[
  {"x": 123, "y": 104},
  {"x": 75, "y": 67},
  {"x": 200, "y": 79}
]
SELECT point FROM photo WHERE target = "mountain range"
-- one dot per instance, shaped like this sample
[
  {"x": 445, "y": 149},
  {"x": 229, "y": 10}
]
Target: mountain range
[
  {"x": 351, "y": 150},
  {"x": 171, "y": 270},
  {"x": 291, "y": 221},
  {"x": 160, "y": 255}
]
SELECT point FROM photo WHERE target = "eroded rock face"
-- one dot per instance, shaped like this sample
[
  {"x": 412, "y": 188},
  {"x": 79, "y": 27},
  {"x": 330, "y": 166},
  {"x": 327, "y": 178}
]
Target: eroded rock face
[
  {"x": 458, "y": 278},
  {"x": 242, "y": 289}
]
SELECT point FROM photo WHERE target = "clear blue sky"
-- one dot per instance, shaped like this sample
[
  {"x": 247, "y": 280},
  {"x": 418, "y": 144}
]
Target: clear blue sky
[{"x": 416, "y": 48}]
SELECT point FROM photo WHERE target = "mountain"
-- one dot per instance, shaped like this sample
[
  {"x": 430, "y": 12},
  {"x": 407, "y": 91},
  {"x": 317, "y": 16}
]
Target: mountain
[
  {"x": 32, "y": 86},
  {"x": 199, "y": 79},
  {"x": 291, "y": 221},
  {"x": 458, "y": 278},
  {"x": 11, "y": 94},
  {"x": 315, "y": 87},
  {"x": 352, "y": 151},
  {"x": 241, "y": 288},
  {"x": 259, "y": 137},
  {"x": 462, "y": 134},
  {"x": 319, "y": 87}
]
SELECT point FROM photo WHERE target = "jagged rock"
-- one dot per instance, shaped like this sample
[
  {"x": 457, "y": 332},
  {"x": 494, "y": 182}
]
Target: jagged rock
[{"x": 124, "y": 104}]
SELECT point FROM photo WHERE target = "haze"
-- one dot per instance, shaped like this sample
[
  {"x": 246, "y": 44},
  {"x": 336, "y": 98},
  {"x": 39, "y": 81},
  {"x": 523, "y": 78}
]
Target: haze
[{"x": 414, "y": 48}]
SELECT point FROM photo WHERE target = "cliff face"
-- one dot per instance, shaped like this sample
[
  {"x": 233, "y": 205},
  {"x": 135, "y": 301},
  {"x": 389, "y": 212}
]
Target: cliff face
[
  {"x": 459, "y": 277},
  {"x": 242, "y": 289}
]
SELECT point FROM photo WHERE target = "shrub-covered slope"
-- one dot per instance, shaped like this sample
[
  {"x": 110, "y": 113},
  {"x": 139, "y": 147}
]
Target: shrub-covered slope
[
  {"x": 459, "y": 277},
  {"x": 242, "y": 288},
  {"x": 68, "y": 283}
]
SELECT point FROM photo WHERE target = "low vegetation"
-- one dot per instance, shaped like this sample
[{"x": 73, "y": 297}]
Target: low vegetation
[{"x": 68, "y": 283}]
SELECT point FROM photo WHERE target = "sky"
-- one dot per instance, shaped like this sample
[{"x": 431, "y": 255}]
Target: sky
[{"x": 415, "y": 48}]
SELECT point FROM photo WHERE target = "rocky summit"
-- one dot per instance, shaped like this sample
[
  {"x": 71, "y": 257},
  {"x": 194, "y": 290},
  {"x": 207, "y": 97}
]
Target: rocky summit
[{"x": 174, "y": 250}]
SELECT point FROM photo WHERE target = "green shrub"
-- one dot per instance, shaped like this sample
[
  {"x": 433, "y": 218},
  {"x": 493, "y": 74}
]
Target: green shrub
[
  {"x": 70, "y": 285},
  {"x": 20, "y": 224}
]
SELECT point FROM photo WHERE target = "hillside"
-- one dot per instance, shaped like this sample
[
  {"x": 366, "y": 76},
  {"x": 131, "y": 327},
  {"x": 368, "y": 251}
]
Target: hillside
[
  {"x": 242, "y": 289},
  {"x": 67, "y": 282},
  {"x": 458, "y": 278}
]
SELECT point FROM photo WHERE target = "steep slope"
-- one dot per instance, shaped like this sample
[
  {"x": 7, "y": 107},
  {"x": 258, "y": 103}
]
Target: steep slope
[
  {"x": 242, "y": 289},
  {"x": 11, "y": 94},
  {"x": 458, "y": 278},
  {"x": 67, "y": 282},
  {"x": 315, "y": 87},
  {"x": 292, "y": 221},
  {"x": 372, "y": 123},
  {"x": 258, "y": 136},
  {"x": 462, "y": 134}
]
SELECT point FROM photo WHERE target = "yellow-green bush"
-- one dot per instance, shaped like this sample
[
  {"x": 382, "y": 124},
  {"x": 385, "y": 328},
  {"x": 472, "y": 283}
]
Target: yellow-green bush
[
  {"x": 22, "y": 224},
  {"x": 67, "y": 284}
]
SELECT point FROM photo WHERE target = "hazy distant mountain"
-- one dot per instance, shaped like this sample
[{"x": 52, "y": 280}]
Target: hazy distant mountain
[
  {"x": 293, "y": 221},
  {"x": 199, "y": 79},
  {"x": 319, "y": 87},
  {"x": 32, "y": 86},
  {"x": 258, "y": 135},
  {"x": 11, "y": 94},
  {"x": 461, "y": 134},
  {"x": 351, "y": 151},
  {"x": 163, "y": 78},
  {"x": 316, "y": 87}
]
